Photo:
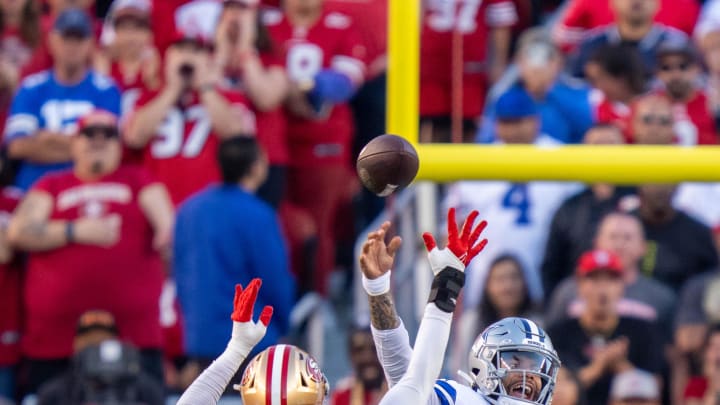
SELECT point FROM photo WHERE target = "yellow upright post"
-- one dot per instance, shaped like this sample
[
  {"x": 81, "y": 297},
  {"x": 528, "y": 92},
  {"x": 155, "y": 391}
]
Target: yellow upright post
[{"x": 403, "y": 68}]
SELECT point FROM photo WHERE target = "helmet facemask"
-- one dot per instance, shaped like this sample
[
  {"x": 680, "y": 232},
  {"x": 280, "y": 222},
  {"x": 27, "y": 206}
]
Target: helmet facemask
[{"x": 516, "y": 375}]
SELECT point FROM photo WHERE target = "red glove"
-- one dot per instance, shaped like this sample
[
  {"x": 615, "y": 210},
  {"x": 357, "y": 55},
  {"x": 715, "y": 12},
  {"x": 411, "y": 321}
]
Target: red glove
[
  {"x": 246, "y": 333},
  {"x": 461, "y": 249}
]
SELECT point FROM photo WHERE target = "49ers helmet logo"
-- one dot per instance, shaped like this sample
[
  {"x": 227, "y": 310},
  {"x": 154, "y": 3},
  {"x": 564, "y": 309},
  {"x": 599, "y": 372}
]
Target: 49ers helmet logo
[
  {"x": 248, "y": 374},
  {"x": 314, "y": 370}
]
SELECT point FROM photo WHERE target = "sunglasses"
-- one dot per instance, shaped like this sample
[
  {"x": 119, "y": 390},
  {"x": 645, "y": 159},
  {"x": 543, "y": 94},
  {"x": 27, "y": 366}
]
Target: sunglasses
[
  {"x": 107, "y": 132},
  {"x": 662, "y": 120},
  {"x": 670, "y": 67}
]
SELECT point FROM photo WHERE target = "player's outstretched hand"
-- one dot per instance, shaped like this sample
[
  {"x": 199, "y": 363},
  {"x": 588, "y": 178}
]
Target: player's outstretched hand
[
  {"x": 246, "y": 333},
  {"x": 377, "y": 257},
  {"x": 462, "y": 246}
]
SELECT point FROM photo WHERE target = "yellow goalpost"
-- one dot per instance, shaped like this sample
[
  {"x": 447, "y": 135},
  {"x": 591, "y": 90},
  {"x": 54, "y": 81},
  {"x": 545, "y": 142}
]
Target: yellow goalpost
[{"x": 445, "y": 162}]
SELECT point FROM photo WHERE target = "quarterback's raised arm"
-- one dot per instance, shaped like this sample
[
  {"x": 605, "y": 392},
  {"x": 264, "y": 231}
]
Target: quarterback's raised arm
[
  {"x": 391, "y": 338},
  {"x": 448, "y": 266},
  {"x": 209, "y": 386}
]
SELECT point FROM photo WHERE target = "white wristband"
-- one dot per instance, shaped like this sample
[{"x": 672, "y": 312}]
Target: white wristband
[{"x": 378, "y": 286}]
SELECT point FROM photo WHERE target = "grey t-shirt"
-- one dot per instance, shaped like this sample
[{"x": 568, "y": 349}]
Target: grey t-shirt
[{"x": 645, "y": 299}]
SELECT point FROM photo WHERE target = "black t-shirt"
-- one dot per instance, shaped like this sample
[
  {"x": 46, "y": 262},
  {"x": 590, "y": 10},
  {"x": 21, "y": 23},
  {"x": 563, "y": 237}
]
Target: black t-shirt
[
  {"x": 678, "y": 250},
  {"x": 575, "y": 348}
]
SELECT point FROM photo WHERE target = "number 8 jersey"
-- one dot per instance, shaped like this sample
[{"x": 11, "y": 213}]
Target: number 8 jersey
[{"x": 182, "y": 154}]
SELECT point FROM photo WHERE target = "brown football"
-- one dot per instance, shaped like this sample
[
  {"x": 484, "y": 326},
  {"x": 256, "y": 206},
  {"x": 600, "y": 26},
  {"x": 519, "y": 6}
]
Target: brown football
[{"x": 387, "y": 163}]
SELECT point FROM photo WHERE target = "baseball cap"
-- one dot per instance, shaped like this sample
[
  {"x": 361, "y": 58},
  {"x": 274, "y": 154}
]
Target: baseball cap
[
  {"x": 96, "y": 320},
  {"x": 634, "y": 384},
  {"x": 191, "y": 36},
  {"x": 599, "y": 260},
  {"x": 677, "y": 46},
  {"x": 139, "y": 9},
  {"x": 515, "y": 104},
  {"x": 74, "y": 21},
  {"x": 241, "y": 3}
]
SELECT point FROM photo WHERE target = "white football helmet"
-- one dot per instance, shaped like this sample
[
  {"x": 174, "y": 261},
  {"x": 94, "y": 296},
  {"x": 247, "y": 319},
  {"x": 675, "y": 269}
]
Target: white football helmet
[{"x": 513, "y": 362}]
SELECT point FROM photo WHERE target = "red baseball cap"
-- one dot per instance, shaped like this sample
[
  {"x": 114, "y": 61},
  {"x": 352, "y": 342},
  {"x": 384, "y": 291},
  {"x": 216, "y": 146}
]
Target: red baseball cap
[
  {"x": 599, "y": 260},
  {"x": 191, "y": 36}
]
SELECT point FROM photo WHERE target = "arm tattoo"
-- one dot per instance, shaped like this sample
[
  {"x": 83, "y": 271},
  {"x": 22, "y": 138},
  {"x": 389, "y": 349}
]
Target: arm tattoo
[{"x": 382, "y": 312}]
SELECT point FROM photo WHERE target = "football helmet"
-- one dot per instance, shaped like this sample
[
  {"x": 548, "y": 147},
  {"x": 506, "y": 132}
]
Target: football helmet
[
  {"x": 283, "y": 375},
  {"x": 513, "y": 361}
]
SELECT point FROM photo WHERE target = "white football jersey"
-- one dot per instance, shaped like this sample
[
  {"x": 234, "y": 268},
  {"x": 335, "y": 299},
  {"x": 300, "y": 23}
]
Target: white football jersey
[
  {"x": 449, "y": 392},
  {"x": 519, "y": 217},
  {"x": 701, "y": 201}
]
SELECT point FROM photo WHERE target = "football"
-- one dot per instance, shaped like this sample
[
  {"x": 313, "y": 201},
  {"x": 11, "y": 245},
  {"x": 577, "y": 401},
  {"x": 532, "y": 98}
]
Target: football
[{"x": 387, "y": 163}]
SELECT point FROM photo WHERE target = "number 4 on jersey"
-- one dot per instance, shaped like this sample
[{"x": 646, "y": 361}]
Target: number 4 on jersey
[{"x": 518, "y": 198}]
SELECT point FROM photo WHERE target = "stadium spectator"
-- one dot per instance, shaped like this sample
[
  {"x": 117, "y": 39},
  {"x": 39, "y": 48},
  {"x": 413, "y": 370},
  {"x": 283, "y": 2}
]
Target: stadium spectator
[
  {"x": 93, "y": 236},
  {"x": 567, "y": 389},
  {"x": 45, "y": 109},
  {"x": 601, "y": 343},
  {"x": 325, "y": 60},
  {"x": 206, "y": 269},
  {"x": 521, "y": 212},
  {"x": 574, "y": 224},
  {"x": 456, "y": 73},
  {"x": 581, "y": 16},
  {"x": 633, "y": 28},
  {"x": 617, "y": 74},
  {"x": 11, "y": 285},
  {"x": 563, "y": 102},
  {"x": 505, "y": 295},
  {"x": 679, "y": 72},
  {"x": 678, "y": 246},
  {"x": 128, "y": 55},
  {"x": 252, "y": 65},
  {"x": 179, "y": 126},
  {"x": 697, "y": 309},
  {"x": 652, "y": 121},
  {"x": 20, "y": 31},
  {"x": 703, "y": 389},
  {"x": 707, "y": 36},
  {"x": 367, "y": 385},
  {"x": 43, "y": 57},
  {"x": 634, "y": 387},
  {"x": 101, "y": 366},
  {"x": 645, "y": 298}
]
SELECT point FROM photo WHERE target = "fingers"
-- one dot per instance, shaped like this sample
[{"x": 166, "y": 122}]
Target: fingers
[
  {"x": 468, "y": 225},
  {"x": 247, "y": 300},
  {"x": 475, "y": 250},
  {"x": 236, "y": 300},
  {"x": 266, "y": 315},
  {"x": 452, "y": 225},
  {"x": 394, "y": 245},
  {"x": 476, "y": 233},
  {"x": 429, "y": 240}
]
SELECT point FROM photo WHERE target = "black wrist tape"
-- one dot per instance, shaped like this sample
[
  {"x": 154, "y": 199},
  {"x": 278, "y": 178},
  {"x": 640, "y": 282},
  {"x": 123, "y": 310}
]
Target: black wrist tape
[{"x": 446, "y": 287}]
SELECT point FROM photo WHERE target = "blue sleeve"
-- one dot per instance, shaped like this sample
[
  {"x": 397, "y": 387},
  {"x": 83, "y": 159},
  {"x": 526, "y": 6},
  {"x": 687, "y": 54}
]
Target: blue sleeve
[
  {"x": 110, "y": 100},
  {"x": 574, "y": 105},
  {"x": 270, "y": 254},
  {"x": 24, "y": 118}
]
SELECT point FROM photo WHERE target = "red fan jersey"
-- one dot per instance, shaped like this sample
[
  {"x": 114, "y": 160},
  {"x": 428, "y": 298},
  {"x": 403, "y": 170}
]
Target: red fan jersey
[
  {"x": 694, "y": 124},
  {"x": 331, "y": 43},
  {"x": 473, "y": 19},
  {"x": 611, "y": 112},
  {"x": 124, "y": 279},
  {"x": 11, "y": 284},
  {"x": 583, "y": 15},
  {"x": 182, "y": 155}
]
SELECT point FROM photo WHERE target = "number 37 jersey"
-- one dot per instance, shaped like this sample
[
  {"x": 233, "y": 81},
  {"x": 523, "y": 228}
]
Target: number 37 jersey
[{"x": 182, "y": 154}]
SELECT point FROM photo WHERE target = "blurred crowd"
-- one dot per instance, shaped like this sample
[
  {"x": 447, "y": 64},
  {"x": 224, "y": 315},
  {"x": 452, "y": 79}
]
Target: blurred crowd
[{"x": 156, "y": 153}]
